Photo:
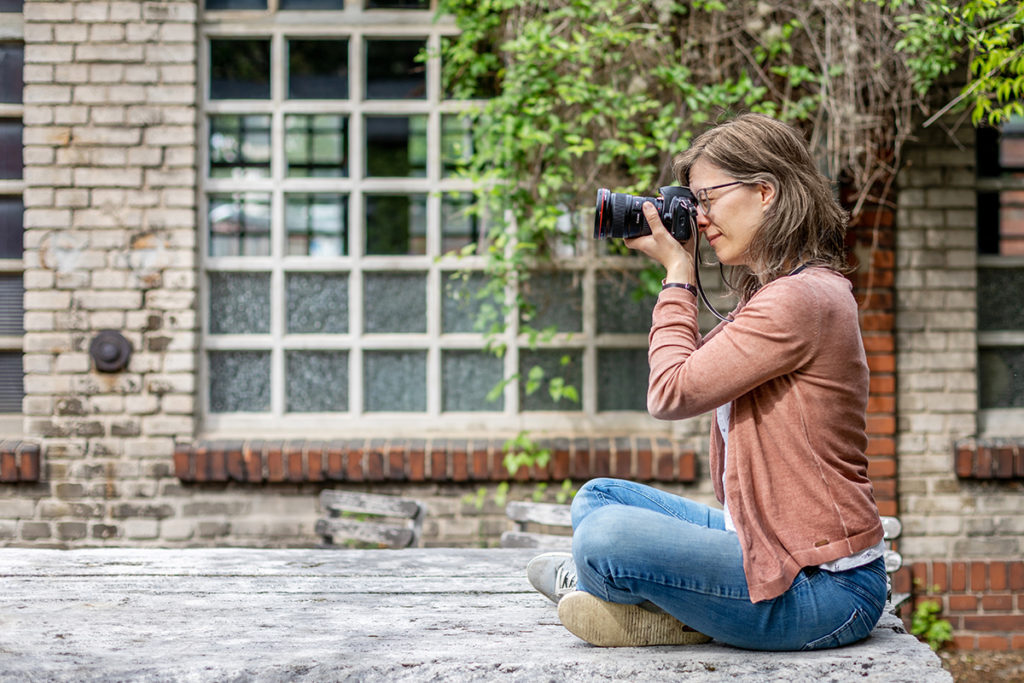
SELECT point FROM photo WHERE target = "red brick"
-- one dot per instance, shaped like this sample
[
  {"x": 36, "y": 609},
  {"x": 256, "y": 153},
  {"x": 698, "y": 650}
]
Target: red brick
[
  {"x": 979, "y": 576},
  {"x": 997, "y": 576},
  {"x": 560, "y": 464},
  {"x": 881, "y": 467},
  {"x": 881, "y": 404},
  {"x": 1016, "y": 572},
  {"x": 1003, "y": 465},
  {"x": 885, "y": 489},
  {"x": 375, "y": 465},
  {"x": 665, "y": 467},
  {"x": 882, "y": 384},
  {"x": 354, "y": 463},
  {"x": 218, "y": 463},
  {"x": 316, "y": 454},
  {"x": 460, "y": 466},
  {"x": 876, "y": 321},
  {"x": 882, "y": 363},
  {"x": 275, "y": 461},
  {"x": 396, "y": 463},
  {"x": 889, "y": 508},
  {"x": 293, "y": 462},
  {"x": 1017, "y": 641},
  {"x": 480, "y": 458},
  {"x": 995, "y": 622},
  {"x": 879, "y": 343},
  {"x": 964, "y": 462},
  {"x": 962, "y": 642},
  {"x": 958, "y": 576},
  {"x": 993, "y": 643},
  {"x": 28, "y": 464},
  {"x": 688, "y": 466},
  {"x": 881, "y": 445},
  {"x": 983, "y": 462},
  {"x": 236, "y": 465},
  {"x": 940, "y": 581},
  {"x": 919, "y": 572},
  {"x": 201, "y": 466},
  {"x": 902, "y": 581},
  {"x": 581, "y": 465},
  {"x": 183, "y": 462},
  {"x": 252, "y": 454},
  {"x": 998, "y": 603},
  {"x": 417, "y": 465},
  {"x": 644, "y": 465},
  {"x": 963, "y": 603},
  {"x": 498, "y": 470}
]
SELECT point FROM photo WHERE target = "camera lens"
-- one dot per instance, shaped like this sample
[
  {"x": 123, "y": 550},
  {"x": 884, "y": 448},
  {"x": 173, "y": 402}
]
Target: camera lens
[{"x": 619, "y": 215}]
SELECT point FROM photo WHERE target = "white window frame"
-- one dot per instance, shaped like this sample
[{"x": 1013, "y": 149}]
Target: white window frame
[
  {"x": 356, "y": 25},
  {"x": 12, "y": 29}
]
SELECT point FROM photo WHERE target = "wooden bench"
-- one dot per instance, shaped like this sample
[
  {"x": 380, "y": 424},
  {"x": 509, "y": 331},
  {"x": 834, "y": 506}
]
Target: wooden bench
[
  {"x": 525, "y": 513},
  {"x": 377, "y": 520}
]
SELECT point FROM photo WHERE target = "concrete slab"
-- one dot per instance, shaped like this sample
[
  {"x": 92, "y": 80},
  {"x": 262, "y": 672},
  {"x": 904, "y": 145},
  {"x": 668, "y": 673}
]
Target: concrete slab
[{"x": 351, "y": 615}]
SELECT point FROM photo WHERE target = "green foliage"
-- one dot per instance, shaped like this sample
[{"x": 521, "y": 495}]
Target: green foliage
[
  {"x": 986, "y": 36},
  {"x": 929, "y": 627}
]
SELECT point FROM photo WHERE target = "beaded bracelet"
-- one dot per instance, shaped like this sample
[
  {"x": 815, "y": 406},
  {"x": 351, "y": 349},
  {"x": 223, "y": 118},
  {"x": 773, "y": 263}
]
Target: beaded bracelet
[{"x": 682, "y": 285}]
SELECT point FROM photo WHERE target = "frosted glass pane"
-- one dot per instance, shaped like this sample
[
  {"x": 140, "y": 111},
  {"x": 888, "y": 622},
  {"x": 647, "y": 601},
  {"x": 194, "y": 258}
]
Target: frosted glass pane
[
  {"x": 468, "y": 376},
  {"x": 317, "y": 381},
  {"x": 557, "y": 299},
  {"x": 395, "y": 381},
  {"x": 1001, "y": 377},
  {"x": 239, "y": 303},
  {"x": 553, "y": 364},
  {"x": 317, "y": 303},
  {"x": 239, "y": 381},
  {"x": 999, "y": 306},
  {"x": 622, "y": 379},
  {"x": 395, "y": 302},
  {"x": 463, "y": 310},
  {"x": 618, "y": 311}
]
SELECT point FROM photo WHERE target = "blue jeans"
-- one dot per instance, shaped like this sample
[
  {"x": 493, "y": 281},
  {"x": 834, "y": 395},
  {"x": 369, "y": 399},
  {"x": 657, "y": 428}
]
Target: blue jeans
[{"x": 633, "y": 543}]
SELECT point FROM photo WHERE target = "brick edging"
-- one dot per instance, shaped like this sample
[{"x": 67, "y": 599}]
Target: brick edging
[
  {"x": 428, "y": 460},
  {"x": 19, "y": 461},
  {"x": 998, "y": 459}
]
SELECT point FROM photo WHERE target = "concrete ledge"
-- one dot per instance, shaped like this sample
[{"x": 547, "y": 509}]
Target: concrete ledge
[{"x": 379, "y": 615}]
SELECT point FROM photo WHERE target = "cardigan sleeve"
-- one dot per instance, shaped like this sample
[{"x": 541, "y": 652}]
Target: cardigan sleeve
[{"x": 773, "y": 334}]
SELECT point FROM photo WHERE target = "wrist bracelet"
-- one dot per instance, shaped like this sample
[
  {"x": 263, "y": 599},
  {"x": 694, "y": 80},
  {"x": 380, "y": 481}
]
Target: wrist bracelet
[{"x": 682, "y": 285}]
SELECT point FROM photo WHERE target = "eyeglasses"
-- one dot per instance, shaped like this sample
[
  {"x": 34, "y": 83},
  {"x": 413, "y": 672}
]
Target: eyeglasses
[{"x": 702, "y": 194}]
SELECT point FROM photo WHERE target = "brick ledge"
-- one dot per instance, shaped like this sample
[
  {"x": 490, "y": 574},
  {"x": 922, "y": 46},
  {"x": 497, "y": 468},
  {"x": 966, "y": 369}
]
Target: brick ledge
[
  {"x": 989, "y": 459},
  {"x": 19, "y": 461},
  {"x": 427, "y": 460}
]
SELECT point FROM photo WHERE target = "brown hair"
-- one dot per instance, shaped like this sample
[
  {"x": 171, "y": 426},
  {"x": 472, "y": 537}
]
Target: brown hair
[{"x": 803, "y": 225}]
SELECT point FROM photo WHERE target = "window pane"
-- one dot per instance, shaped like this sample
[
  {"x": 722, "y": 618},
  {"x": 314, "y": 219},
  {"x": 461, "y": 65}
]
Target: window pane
[
  {"x": 11, "y": 5},
  {"x": 12, "y": 210},
  {"x": 567, "y": 365},
  {"x": 392, "y": 70},
  {"x": 11, "y": 164},
  {"x": 236, "y": 4},
  {"x": 396, "y": 224},
  {"x": 240, "y": 224},
  {"x": 396, "y": 146},
  {"x": 999, "y": 294},
  {"x": 239, "y": 303},
  {"x": 239, "y": 381},
  {"x": 622, "y": 379},
  {"x": 317, "y": 303},
  {"x": 618, "y": 310},
  {"x": 556, "y": 300},
  {"x": 318, "y": 69},
  {"x": 317, "y": 224},
  {"x": 317, "y": 146},
  {"x": 397, "y": 4},
  {"x": 239, "y": 146},
  {"x": 317, "y": 381},
  {"x": 1001, "y": 377},
  {"x": 12, "y": 389},
  {"x": 460, "y": 226},
  {"x": 395, "y": 381},
  {"x": 462, "y": 307},
  {"x": 395, "y": 302},
  {"x": 240, "y": 69},
  {"x": 12, "y": 311},
  {"x": 312, "y": 4},
  {"x": 468, "y": 376},
  {"x": 12, "y": 65},
  {"x": 456, "y": 143}
]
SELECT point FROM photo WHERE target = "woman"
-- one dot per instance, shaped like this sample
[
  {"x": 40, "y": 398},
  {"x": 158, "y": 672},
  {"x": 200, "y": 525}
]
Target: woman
[{"x": 794, "y": 560}]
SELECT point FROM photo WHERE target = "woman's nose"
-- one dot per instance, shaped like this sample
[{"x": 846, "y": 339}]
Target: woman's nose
[{"x": 702, "y": 220}]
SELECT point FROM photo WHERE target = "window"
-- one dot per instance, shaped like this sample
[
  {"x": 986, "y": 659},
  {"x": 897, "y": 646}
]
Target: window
[
  {"x": 331, "y": 297},
  {"x": 1001, "y": 279},
  {"x": 12, "y": 314}
]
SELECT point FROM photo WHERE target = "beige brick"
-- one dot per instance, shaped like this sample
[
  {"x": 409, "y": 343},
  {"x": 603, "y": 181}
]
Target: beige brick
[
  {"x": 48, "y": 53},
  {"x": 48, "y": 11}
]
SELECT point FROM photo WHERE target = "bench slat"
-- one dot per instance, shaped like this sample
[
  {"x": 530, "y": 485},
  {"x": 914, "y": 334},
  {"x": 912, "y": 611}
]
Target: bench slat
[
  {"x": 523, "y": 539},
  {"x": 551, "y": 514},
  {"x": 368, "y": 532},
  {"x": 368, "y": 503}
]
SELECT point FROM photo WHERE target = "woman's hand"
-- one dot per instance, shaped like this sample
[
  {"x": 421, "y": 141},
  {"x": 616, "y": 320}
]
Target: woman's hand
[{"x": 662, "y": 247}]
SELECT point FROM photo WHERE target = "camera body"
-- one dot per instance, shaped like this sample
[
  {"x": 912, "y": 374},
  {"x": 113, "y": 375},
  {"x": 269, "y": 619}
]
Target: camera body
[{"x": 619, "y": 215}]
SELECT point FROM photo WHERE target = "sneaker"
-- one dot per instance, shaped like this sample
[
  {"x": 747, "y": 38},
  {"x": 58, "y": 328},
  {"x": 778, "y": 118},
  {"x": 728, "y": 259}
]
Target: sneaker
[
  {"x": 553, "y": 574},
  {"x": 609, "y": 624}
]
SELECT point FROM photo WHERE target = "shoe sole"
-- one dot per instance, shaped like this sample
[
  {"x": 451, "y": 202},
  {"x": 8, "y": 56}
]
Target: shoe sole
[{"x": 608, "y": 624}]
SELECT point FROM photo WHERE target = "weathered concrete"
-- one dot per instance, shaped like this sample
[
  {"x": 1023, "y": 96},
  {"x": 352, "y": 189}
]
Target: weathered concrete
[{"x": 316, "y": 615}]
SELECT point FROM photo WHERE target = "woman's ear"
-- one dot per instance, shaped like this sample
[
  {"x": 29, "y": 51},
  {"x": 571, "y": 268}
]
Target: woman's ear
[{"x": 767, "y": 191}]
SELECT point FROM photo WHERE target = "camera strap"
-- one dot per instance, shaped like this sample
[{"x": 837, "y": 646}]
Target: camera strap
[{"x": 696, "y": 277}]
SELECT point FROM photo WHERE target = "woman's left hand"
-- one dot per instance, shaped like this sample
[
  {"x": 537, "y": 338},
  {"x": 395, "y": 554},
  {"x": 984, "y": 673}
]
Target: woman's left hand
[{"x": 660, "y": 245}]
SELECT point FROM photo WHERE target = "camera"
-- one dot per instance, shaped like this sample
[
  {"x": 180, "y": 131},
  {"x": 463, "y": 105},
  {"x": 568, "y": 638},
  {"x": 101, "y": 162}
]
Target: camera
[{"x": 619, "y": 215}]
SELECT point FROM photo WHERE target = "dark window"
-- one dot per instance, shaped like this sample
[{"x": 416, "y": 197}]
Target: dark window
[
  {"x": 12, "y": 65},
  {"x": 240, "y": 69},
  {"x": 11, "y": 227},
  {"x": 393, "y": 69},
  {"x": 318, "y": 69},
  {"x": 236, "y": 4},
  {"x": 312, "y": 4},
  {"x": 397, "y": 4},
  {"x": 11, "y": 5},
  {"x": 11, "y": 164},
  {"x": 12, "y": 389}
]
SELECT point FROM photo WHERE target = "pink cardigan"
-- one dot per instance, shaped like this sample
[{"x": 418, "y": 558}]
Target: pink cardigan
[{"x": 792, "y": 363}]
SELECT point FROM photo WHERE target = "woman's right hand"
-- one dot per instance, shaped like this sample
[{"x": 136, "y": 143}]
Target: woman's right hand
[{"x": 660, "y": 245}]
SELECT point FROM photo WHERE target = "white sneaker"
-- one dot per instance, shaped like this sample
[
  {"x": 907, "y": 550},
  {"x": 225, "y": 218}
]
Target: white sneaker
[
  {"x": 610, "y": 624},
  {"x": 553, "y": 574}
]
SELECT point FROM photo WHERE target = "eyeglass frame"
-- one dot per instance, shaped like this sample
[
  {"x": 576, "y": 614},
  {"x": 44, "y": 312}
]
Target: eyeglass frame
[{"x": 704, "y": 201}]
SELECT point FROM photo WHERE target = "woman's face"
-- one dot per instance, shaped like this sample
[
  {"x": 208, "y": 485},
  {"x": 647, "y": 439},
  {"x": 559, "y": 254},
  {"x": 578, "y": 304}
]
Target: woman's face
[{"x": 735, "y": 213}]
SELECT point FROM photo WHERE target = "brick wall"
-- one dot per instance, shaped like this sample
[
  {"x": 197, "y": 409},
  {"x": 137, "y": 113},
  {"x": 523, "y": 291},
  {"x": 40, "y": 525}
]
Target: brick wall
[{"x": 961, "y": 536}]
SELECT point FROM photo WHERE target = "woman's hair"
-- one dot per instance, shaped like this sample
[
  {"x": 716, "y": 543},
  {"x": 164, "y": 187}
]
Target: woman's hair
[{"x": 803, "y": 225}]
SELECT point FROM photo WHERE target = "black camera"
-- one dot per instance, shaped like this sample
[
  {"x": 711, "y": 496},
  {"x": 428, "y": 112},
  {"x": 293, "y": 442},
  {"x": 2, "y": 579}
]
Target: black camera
[{"x": 619, "y": 215}]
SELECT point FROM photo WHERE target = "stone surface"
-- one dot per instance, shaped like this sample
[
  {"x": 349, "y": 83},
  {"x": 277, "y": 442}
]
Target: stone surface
[{"x": 313, "y": 615}]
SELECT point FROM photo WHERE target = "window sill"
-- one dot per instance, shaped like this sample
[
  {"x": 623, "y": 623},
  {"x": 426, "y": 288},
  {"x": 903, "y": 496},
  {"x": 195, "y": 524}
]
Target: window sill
[
  {"x": 989, "y": 459},
  {"x": 427, "y": 460},
  {"x": 19, "y": 461}
]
